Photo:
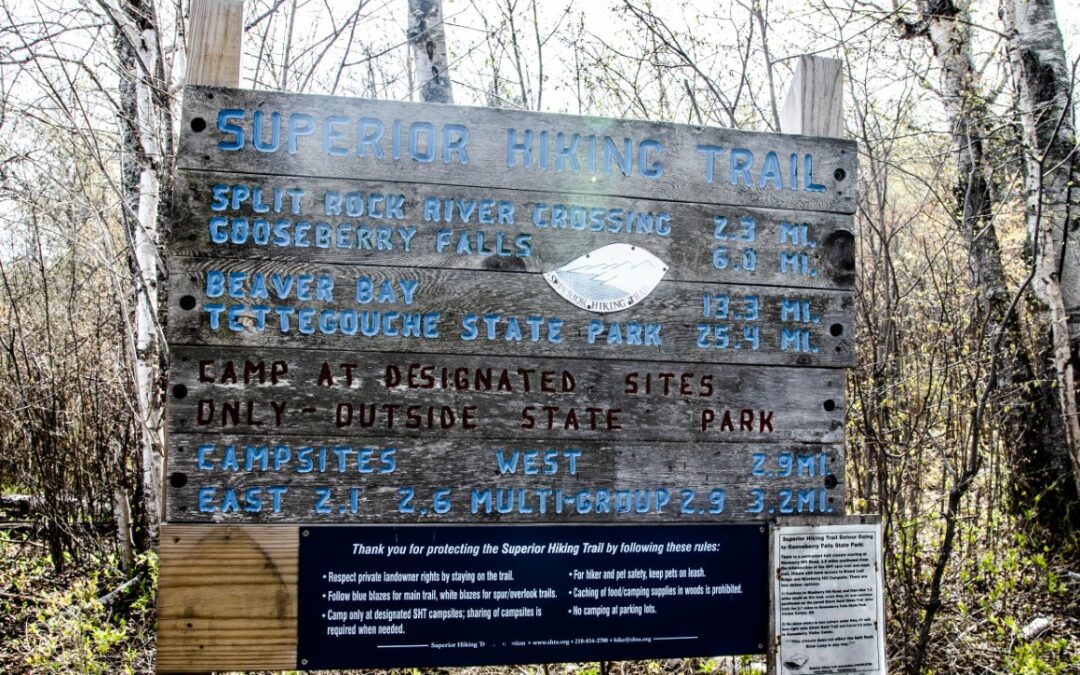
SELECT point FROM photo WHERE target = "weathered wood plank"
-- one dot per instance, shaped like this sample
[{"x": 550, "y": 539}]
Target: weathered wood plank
[
  {"x": 453, "y": 145},
  {"x": 215, "y": 33},
  {"x": 415, "y": 229},
  {"x": 449, "y": 310},
  {"x": 492, "y": 481},
  {"x": 815, "y": 103},
  {"x": 663, "y": 431},
  {"x": 498, "y": 397},
  {"x": 227, "y": 598}
]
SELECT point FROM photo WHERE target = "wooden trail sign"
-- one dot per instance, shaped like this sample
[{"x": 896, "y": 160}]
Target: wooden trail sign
[
  {"x": 362, "y": 273},
  {"x": 319, "y": 136},
  {"x": 403, "y": 314}
]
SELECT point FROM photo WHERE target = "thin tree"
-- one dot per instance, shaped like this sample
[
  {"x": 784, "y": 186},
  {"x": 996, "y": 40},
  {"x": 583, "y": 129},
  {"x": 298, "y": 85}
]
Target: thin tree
[
  {"x": 1031, "y": 421},
  {"x": 144, "y": 128},
  {"x": 1044, "y": 88},
  {"x": 427, "y": 39}
]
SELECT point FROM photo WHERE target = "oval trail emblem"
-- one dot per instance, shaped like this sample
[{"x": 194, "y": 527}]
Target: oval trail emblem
[{"x": 609, "y": 279}]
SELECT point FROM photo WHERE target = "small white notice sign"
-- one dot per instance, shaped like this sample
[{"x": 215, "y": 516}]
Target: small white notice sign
[{"x": 828, "y": 615}]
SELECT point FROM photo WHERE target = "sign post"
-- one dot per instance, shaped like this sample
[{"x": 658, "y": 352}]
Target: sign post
[{"x": 441, "y": 373}]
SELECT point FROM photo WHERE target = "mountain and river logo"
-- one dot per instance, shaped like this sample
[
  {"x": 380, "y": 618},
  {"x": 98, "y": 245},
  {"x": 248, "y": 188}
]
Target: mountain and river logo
[{"x": 609, "y": 279}]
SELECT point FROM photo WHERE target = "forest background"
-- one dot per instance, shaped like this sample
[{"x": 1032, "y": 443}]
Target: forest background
[{"x": 962, "y": 425}]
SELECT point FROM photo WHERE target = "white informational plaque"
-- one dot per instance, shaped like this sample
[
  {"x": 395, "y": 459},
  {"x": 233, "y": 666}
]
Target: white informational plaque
[{"x": 826, "y": 594}]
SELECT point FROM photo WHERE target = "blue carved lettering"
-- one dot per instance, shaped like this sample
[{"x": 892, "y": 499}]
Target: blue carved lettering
[
  {"x": 225, "y": 126},
  {"x": 740, "y": 160},
  {"x": 710, "y": 152},
  {"x": 655, "y": 168},
  {"x": 422, "y": 134},
  {"x": 220, "y": 193},
  {"x": 455, "y": 138},
  {"x": 770, "y": 172},
  {"x": 369, "y": 132},
  {"x": 808, "y": 175},
  {"x": 258, "y": 133},
  {"x": 513, "y": 147},
  {"x": 331, "y": 135},
  {"x": 300, "y": 124}
]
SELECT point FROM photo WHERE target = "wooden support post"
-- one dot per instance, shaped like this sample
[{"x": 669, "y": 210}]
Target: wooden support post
[
  {"x": 223, "y": 625},
  {"x": 814, "y": 107},
  {"x": 815, "y": 101},
  {"x": 227, "y": 598},
  {"x": 215, "y": 32}
]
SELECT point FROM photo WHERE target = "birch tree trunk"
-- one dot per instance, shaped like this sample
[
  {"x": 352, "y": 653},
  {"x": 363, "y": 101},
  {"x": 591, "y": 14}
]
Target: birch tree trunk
[
  {"x": 138, "y": 50},
  {"x": 1032, "y": 424},
  {"x": 427, "y": 38},
  {"x": 1051, "y": 172}
]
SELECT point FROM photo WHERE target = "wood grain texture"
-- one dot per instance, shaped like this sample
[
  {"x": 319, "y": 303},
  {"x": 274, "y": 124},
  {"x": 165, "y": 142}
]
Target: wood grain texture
[
  {"x": 688, "y": 249},
  {"x": 227, "y": 593},
  {"x": 476, "y": 490},
  {"x": 807, "y": 404},
  {"x": 227, "y": 598},
  {"x": 215, "y": 33},
  {"x": 815, "y": 102},
  {"x": 683, "y": 177},
  {"x": 678, "y": 307}
]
